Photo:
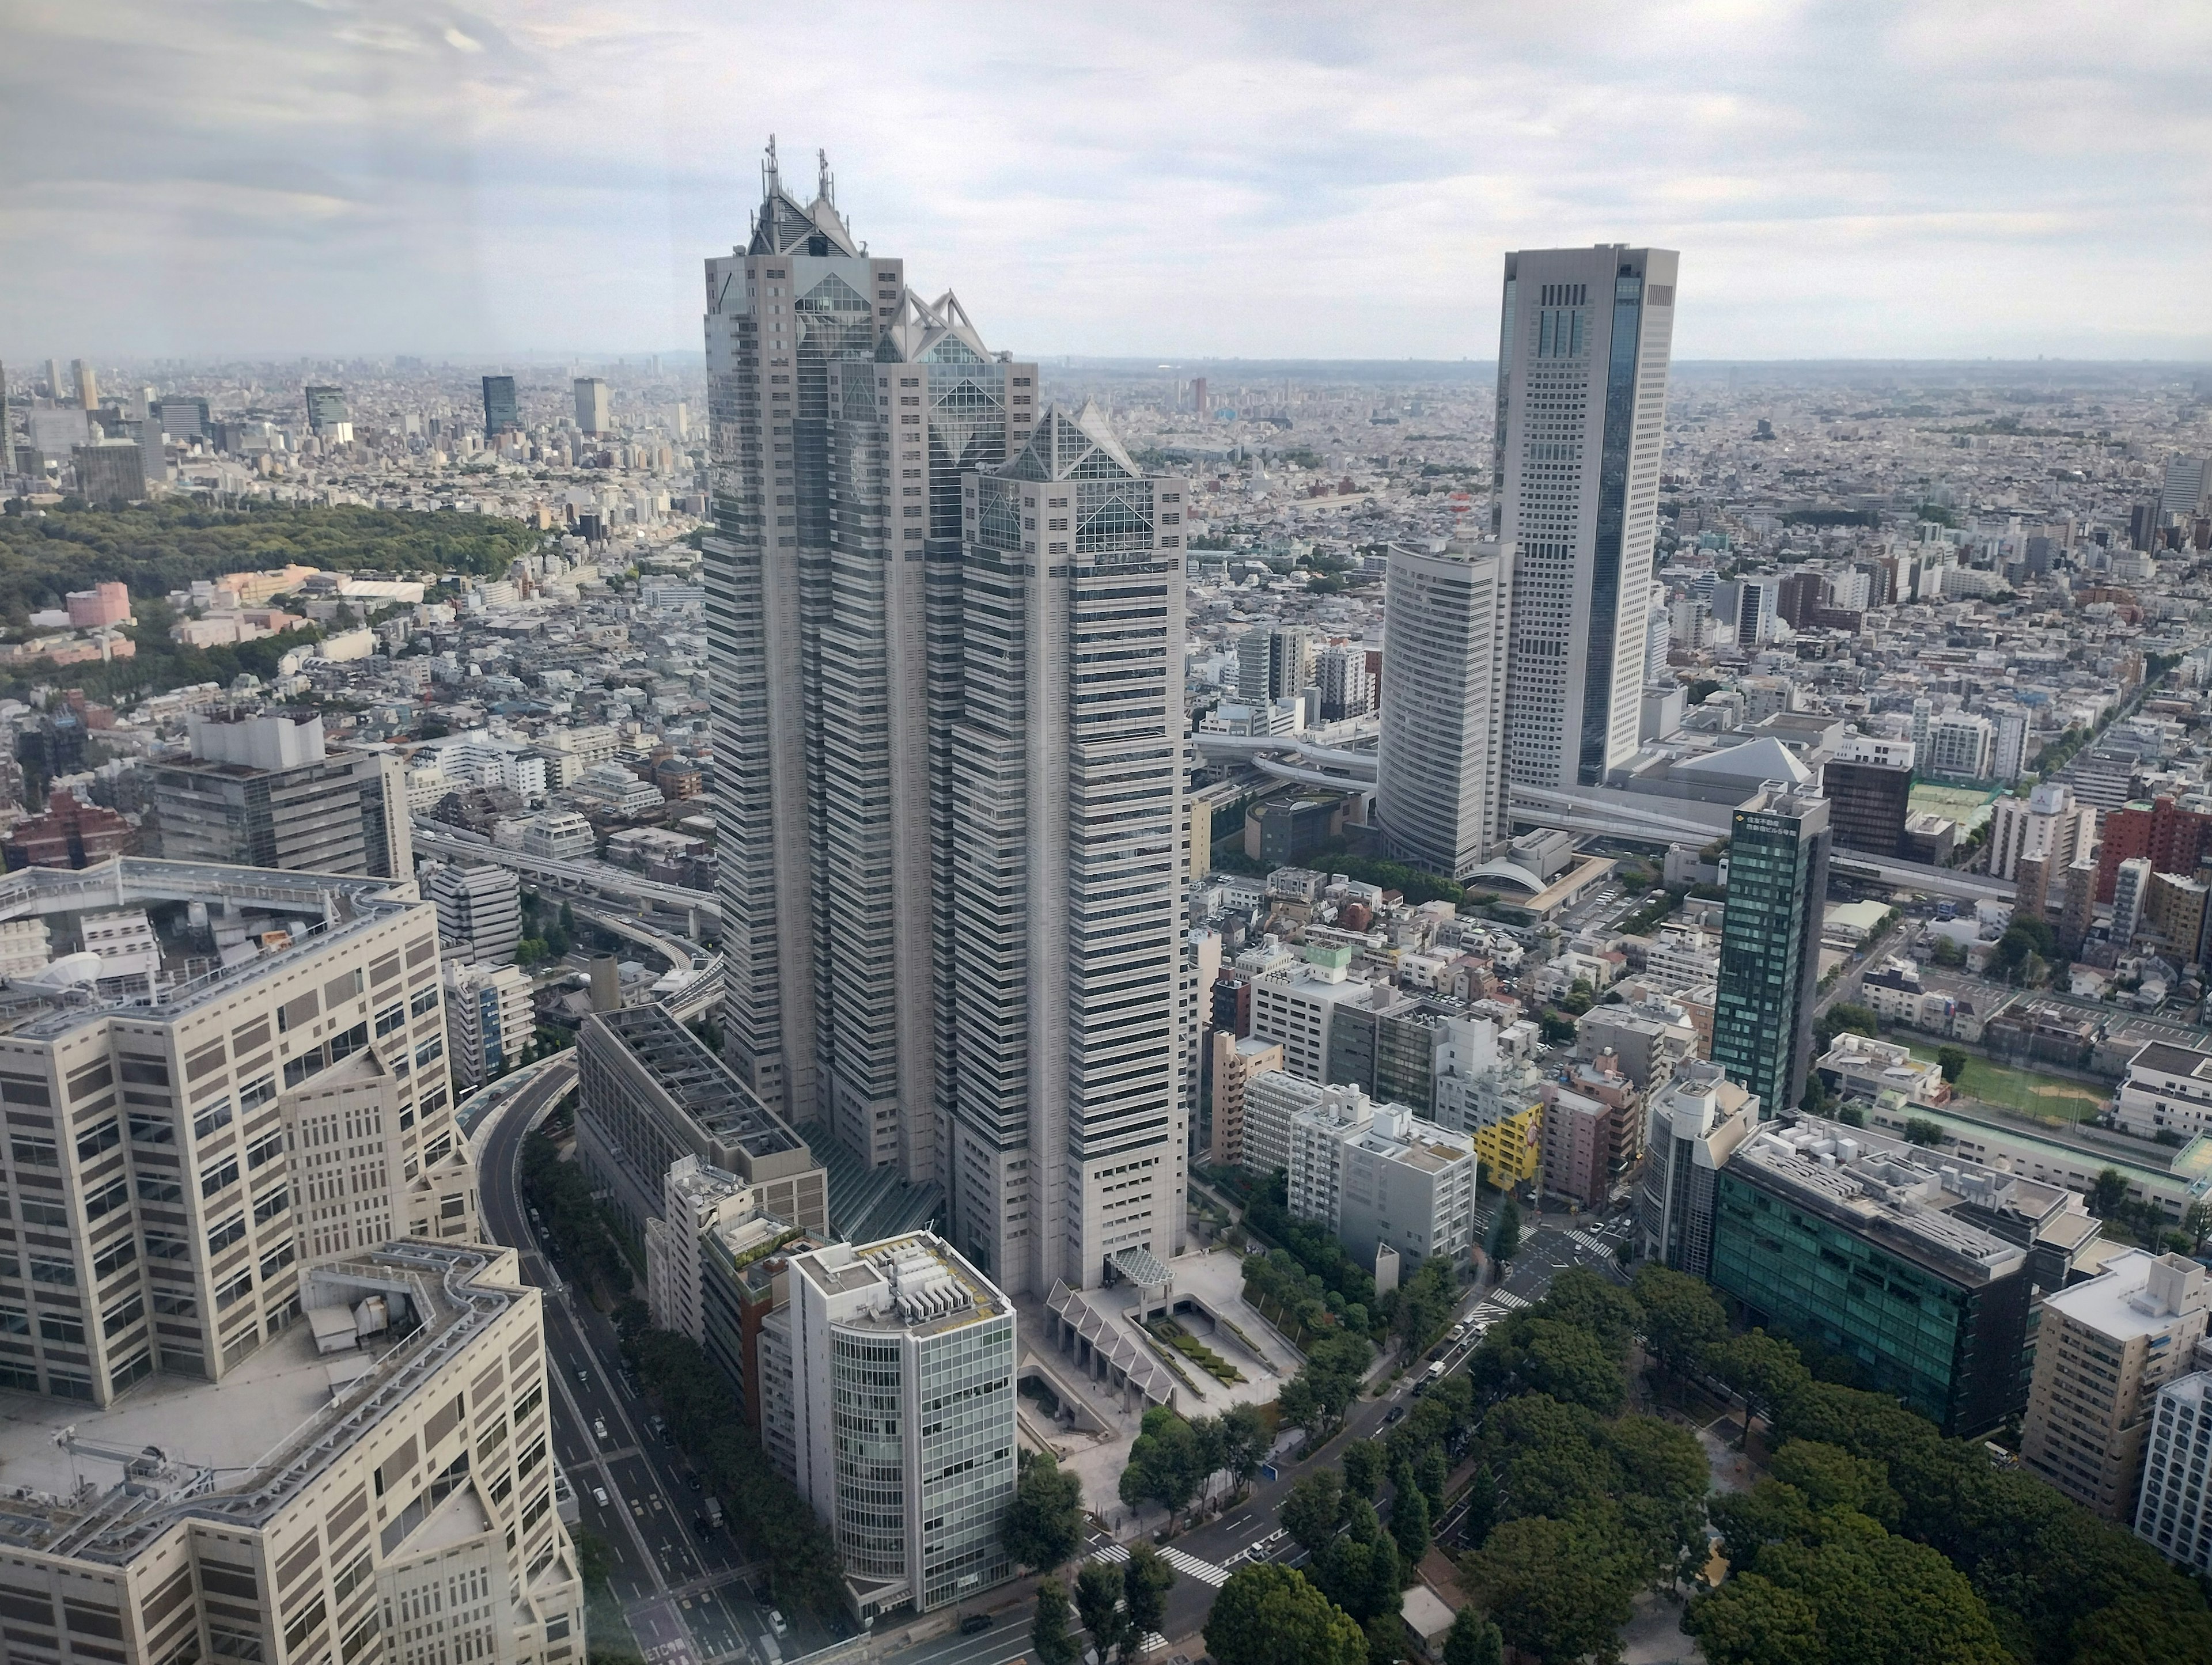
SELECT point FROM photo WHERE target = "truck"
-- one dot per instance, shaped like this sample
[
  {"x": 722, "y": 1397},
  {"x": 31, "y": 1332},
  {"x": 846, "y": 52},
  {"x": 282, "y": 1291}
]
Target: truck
[
  {"x": 1430, "y": 1377},
  {"x": 714, "y": 1512}
]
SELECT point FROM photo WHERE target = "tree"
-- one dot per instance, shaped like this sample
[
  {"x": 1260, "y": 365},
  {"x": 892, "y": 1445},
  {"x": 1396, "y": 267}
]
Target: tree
[
  {"x": 1048, "y": 1633},
  {"x": 1764, "y": 1369},
  {"x": 1472, "y": 1640},
  {"x": 1680, "y": 1316},
  {"x": 2107, "y": 1192},
  {"x": 1243, "y": 1441},
  {"x": 1146, "y": 1578},
  {"x": 1045, "y": 1522},
  {"x": 1098, "y": 1603},
  {"x": 1528, "y": 1353},
  {"x": 1952, "y": 1060},
  {"x": 1313, "y": 1509},
  {"x": 1554, "y": 1588},
  {"x": 1509, "y": 1233},
  {"x": 1409, "y": 1521},
  {"x": 1164, "y": 1463},
  {"x": 1268, "y": 1614},
  {"x": 1919, "y": 1130},
  {"x": 2197, "y": 1225},
  {"x": 1362, "y": 1468}
]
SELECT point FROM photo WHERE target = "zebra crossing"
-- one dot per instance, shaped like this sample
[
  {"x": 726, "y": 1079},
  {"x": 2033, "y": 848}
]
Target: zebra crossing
[
  {"x": 1187, "y": 1566},
  {"x": 1507, "y": 1299},
  {"x": 1595, "y": 1245}
]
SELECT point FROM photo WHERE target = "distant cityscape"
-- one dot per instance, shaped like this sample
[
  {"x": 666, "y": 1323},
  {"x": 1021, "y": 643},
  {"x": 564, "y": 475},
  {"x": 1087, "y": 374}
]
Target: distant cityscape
[{"x": 733, "y": 1007}]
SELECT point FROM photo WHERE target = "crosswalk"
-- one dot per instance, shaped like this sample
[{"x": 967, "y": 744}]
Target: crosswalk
[
  {"x": 1507, "y": 1299},
  {"x": 1596, "y": 1245},
  {"x": 1189, "y": 1566}
]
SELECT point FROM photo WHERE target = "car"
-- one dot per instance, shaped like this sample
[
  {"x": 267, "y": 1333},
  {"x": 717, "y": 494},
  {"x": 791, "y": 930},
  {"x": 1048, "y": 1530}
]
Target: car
[
  {"x": 600, "y": 1426},
  {"x": 583, "y": 1377},
  {"x": 776, "y": 1622},
  {"x": 691, "y": 1480},
  {"x": 1394, "y": 1414},
  {"x": 975, "y": 1624},
  {"x": 600, "y": 1496}
]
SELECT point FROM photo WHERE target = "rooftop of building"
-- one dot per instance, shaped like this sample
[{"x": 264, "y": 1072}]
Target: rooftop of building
[
  {"x": 2137, "y": 1294},
  {"x": 1888, "y": 1191},
  {"x": 683, "y": 1066},
  {"x": 284, "y": 917},
  {"x": 234, "y": 1452},
  {"x": 916, "y": 1283},
  {"x": 2164, "y": 1058}
]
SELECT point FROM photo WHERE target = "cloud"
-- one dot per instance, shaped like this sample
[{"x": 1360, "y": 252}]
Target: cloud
[{"x": 1279, "y": 179}]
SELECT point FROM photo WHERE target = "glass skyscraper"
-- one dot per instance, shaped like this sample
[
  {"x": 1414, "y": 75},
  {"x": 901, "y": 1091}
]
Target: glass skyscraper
[
  {"x": 1583, "y": 352},
  {"x": 1777, "y": 884},
  {"x": 501, "y": 413}
]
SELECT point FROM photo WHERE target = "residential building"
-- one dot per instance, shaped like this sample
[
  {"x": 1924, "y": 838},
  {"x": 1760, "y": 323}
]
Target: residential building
[
  {"x": 593, "y": 415},
  {"x": 649, "y": 1093},
  {"x": 2131, "y": 894},
  {"x": 1232, "y": 1062},
  {"x": 502, "y": 413},
  {"x": 2174, "y": 1512},
  {"x": 1868, "y": 1247},
  {"x": 2172, "y": 839},
  {"x": 1582, "y": 386},
  {"x": 479, "y": 911},
  {"x": 2104, "y": 1349},
  {"x": 1577, "y": 1138},
  {"x": 1346, "y": 689},
  {"x": 744, "y": 1278},
  {"x": 695, "y": 1198},
  {"x": 371, "y": 1478},
  {"x": 899, "y": 1360},
  {"x": 69, "y": 834},
  {"x": 1068, "y": 1124},
  {"x": 2047, "y": 825},
  {"x": 1321, "y": 1018},
  {"x": 1961, "y": 744},
  {"x": 268, "y": 791},
  {"x": 560, "y": 835},
  {"x": 1650, "y": 1039},
  {"x": 1272, "y": 1101},
  {"x": 489, "y": 1021},
  {"x": 1274, "y": 663},
  {"x": 2167, "y": 1091},
  {"x": 1696, "y": 1123},
  {"x": 1440, "y": 782},
  {"x": 290, "y": 1105},
  {"x": 1868, "y": 786},
  {"x": 1778, "y": 886},
  {"x": 1859, "y": 1067},
  {"x": 1511, "y": 1149},
  {"x": 1378, "y": 1175}
]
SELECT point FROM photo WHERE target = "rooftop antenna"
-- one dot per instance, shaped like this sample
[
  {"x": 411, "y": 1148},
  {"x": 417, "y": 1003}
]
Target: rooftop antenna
[
  {"x": 826, "y": 185},
  {"x": 771, "y": 181}
]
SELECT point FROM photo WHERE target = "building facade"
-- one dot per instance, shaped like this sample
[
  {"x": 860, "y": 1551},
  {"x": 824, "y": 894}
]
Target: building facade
[
  {"x": 1777, "y": 888},
  {"x": 267, "y": 791},
  {"x": 1697, "y": 1121},
  {"x": 1379, "y": 1177},
  {"x": 1582, "y": 351},
  {"x": 2173, "y": 1512},
  {"x": 479, "y": 911},
  {"x": 1440, "y": 781},
  {"x": 489, "y": 1020},
  {"x": 1869, "y": 787}
]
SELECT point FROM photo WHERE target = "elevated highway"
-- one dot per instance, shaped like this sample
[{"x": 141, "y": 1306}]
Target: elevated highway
[{"x": 575, "y": 878}]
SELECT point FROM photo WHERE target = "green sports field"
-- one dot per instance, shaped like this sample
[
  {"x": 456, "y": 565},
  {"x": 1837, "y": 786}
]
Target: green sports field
[{"x": 2022, "y": 1090}]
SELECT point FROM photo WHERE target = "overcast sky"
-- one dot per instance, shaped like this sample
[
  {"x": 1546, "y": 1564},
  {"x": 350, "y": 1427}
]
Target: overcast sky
[{"x": 1274, "y": 179}]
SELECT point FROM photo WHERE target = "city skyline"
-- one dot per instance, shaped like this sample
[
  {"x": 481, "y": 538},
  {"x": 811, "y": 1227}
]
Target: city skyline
[{"x": 328, "y": 179}]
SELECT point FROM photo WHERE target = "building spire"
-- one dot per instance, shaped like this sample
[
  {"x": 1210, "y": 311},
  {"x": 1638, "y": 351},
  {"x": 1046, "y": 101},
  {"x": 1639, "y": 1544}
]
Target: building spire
[
  {"x": 826, "y": 185},
  {"x": 771, "y": 181}
]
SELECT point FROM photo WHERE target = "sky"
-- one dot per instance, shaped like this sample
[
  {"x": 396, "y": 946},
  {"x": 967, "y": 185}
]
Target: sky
[{"x": 1945, "y": 178}]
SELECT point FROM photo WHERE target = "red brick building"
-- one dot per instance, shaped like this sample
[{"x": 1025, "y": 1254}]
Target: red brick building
[
  {"x": 2176, "y": 840},
  {"x": 68, "y": 834}
]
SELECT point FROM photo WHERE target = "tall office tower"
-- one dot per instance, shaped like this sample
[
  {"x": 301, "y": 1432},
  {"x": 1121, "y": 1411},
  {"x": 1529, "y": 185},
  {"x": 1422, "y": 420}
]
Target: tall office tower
[
  {"x": 592, "y": 415},
  {"x": 1068, "y": 1139},
  {"x": 55, "y": 394},
  {"x": 110, "y": 472},
  {"x": 892, "y": 1407},
  {"x": 87, "y": 385},
  {"x": 326, "y": 409},
  {"x": 1869, "y": 787},
  {"x": 834, "y": 648},
  {"x": 1275, "y": 662},
  {"x": 1658, "y": 635},
  {"x": 386, "y": 1496},
  {"x": 1777, "y": 884},
  {"x": 1198, "y": 399},
  {"x": 479, "y": 912},
  {"x": 1440, "y": 782},
  {"x": 285, "y": 1106},
  {"x": 1582, "y": 391},
  {"x": 267, "y": 791},
  {"x": 503, "y": 413},
  {"x": 2187, "y": 486}
]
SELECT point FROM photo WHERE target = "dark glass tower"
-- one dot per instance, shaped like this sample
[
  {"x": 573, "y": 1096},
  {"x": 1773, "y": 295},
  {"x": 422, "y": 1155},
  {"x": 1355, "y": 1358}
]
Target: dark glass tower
[
  {"x": 1777, "y": 883},
  {"x": 501, "y": 413}
]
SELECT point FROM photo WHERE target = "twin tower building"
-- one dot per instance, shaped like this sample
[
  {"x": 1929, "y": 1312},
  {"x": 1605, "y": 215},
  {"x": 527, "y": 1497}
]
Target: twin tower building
[{"x": 946, "y": 626}]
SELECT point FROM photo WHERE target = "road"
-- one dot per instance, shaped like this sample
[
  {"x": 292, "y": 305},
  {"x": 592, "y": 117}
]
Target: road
[
  {"x": 1206, "y": 1556},
  {"x": 686, "y": 1593}
]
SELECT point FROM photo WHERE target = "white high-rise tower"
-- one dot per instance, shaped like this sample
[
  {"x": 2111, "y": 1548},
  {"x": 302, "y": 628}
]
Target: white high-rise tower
[{"x": 1582, "y": 394}]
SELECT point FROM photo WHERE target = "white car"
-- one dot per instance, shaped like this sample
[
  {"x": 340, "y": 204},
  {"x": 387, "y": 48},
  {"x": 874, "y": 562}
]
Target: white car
[
  {"x": 600, "y": 1496},
  {"x": 600, "y": 1426}
]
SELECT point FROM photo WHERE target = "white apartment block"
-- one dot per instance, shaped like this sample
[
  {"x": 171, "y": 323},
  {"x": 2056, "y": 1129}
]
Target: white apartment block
[
  {"x": 1683, "y": 957},
  {"x": 889, "y": 1388},
  {"x": 490, "y": 1019},
  {"x": 373, "y": 1484},
  {"x": 1583, "y": 352},
  {"x": 1961, "y": 743},
  {"x": 2047, "y": 825},
  {"x": 1273, "y": 1100},
  {"x": 479, "y": 910},
  {"x": 176, "y": 1153},
  {"x": 1294, "y": 1010},
  {"x": 560, "y": 835},
  {"x": 2168, "y": 1088},
  {"x": 2173, "y": 1508},
  {"x": 695, "y": 1199},
  {"x": 1377, "y": 1175}
]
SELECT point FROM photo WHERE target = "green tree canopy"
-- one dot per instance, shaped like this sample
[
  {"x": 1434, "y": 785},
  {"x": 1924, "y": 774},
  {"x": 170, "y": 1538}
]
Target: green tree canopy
[
  {"x": 1044, "y": 1523},
  {"x": 1268, "y": 1614},
  {"x": 1558, "y": 1591},
  {"x": 1050, "y": 1634},
  {"x": 1147, "y": 1577},
  {"x": 1098, "y": 1603}
]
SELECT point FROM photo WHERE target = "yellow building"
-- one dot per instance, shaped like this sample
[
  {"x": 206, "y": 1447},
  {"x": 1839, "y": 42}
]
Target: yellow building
[{"x": 1512, "y": 1149}]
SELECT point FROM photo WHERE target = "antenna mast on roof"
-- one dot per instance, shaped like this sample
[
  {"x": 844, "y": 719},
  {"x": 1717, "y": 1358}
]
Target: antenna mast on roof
[
  {"x": 771, "y": 182},
  {"x": 826, "y": 185}
]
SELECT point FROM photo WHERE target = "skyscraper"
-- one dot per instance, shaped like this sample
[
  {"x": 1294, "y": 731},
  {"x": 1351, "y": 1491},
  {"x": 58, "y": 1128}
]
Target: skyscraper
[
  {"x": 836, "y": 651},
  {"x": 1582, "y": 389},
  {"x": 1777, "y": 884},
  {"x": 1068, "y": 1126},
  {"x": 501, "y": 413},
  {"x": 326, "y": 409},
  {"x": 591, "y": 413},
  {"x": 87, "y": 386},
  {"x": 1440, "y": 786}
]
